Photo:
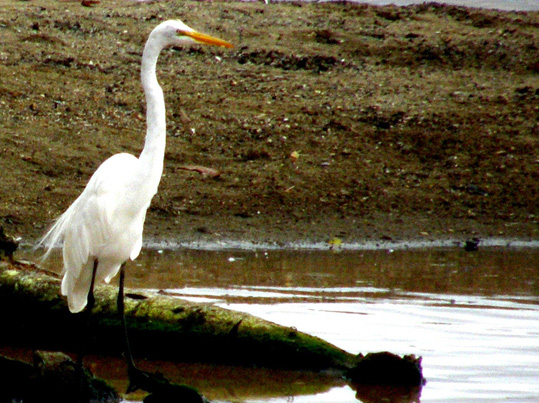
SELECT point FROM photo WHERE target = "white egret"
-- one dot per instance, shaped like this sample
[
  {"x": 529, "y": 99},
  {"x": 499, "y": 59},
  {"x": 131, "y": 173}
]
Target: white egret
[{"x": 103, "y": 227}]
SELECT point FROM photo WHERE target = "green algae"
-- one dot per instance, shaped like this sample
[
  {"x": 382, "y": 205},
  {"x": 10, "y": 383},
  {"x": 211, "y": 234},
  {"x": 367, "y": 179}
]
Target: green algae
[{"x": 160, "y": 327}]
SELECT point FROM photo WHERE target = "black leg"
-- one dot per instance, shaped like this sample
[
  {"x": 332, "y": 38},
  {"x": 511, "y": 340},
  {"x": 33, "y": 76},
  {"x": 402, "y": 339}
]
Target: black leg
[
  {"x": 137, "y": 378},
  {"x": 85, "y": 338},
  {"x": 121, "y": 312},
  {"x": 160, "y": 388},
  {"x": 91, "y": 299},
  {"x": 86, "y": 318}
]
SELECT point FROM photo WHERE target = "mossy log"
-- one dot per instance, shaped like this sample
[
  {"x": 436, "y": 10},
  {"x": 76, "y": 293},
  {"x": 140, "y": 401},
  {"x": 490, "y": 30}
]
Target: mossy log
[{"x": 34, "y": 314}]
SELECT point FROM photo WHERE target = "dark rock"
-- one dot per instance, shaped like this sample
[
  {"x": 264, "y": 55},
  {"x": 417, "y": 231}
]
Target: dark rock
[
  {"x": 53, "y": 377},
  {"x": 385, "y": 368},
  {"x": 161, "y": 389},
  {"x": 472, "y": 245},
  {"x": 8, "y": 245}
]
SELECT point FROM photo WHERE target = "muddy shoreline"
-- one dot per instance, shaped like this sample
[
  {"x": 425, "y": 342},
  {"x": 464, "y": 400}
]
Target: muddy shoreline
[{"x": 326, "y": 121}]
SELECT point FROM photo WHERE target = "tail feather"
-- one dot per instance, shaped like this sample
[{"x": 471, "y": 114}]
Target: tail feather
[
  {"x": 54, "y": 236},
  {"x": 78, "y": 267},
  {"x": 77, "y": 288}
]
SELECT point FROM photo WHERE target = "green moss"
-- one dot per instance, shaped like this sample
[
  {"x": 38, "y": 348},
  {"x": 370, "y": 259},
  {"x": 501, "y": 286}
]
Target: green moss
[{"x": 159, "y": 327}]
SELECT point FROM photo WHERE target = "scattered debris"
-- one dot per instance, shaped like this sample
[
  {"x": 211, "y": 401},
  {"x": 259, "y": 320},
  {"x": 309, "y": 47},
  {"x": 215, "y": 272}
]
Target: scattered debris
[
  {"x": 472, "y": 245},
  {"x": 212, "y": 173},
  {"x": 89, "y": 3},
  {"x": 335, "y": 243}
]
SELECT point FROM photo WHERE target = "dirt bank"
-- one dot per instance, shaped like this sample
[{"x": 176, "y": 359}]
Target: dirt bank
[{"x": 325, "y": 120}]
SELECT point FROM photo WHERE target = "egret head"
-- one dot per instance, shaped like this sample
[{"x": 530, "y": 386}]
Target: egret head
[{"x": 176, "y": 33}]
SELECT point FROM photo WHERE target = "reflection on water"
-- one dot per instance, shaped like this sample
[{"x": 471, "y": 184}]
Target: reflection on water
[
  {"x": 383, "y": 393},
  {"x": 473, "y": 317},
  {"x": 449, "y": 271}
]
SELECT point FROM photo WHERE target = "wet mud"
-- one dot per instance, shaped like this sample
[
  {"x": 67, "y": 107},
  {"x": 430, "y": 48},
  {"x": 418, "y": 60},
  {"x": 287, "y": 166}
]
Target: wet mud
[{"x": 325, "y": 121}]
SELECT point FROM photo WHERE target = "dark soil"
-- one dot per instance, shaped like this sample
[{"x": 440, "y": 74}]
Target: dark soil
[{"x": 325, "y": 120}]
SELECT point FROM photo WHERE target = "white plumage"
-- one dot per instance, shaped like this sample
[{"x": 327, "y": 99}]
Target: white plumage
[{"x": 105, "y": 223}]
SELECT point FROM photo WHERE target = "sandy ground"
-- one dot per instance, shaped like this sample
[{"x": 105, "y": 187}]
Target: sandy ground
[{"x": 324, "y": 121}]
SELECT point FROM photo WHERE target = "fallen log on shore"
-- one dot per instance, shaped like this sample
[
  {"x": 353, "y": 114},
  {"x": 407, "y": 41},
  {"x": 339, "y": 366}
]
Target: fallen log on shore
[
  {"x": 160, "y": 327},
  {"x": 35, "y": 315}
]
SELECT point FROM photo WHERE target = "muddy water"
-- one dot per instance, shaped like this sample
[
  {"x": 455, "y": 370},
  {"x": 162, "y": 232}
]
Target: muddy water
[{"x": 472, "y": 316}]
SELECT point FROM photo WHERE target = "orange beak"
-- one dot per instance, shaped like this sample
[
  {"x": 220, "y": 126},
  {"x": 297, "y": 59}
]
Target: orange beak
[{"x": 207, "y": 39}]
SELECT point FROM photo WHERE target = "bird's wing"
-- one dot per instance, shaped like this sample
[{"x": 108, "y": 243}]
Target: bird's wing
[
  {"x": 103, "y": 223},
  {"x": 89, "y": 222}
]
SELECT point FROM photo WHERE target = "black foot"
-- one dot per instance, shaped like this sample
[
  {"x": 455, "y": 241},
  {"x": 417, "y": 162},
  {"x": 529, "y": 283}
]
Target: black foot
[{"x": 161, "y": 389}]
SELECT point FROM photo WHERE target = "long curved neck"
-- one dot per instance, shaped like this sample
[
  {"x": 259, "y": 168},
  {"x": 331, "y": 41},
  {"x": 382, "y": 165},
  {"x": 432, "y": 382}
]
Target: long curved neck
[{"x": 154, "y": 147}]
